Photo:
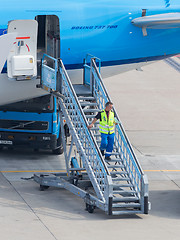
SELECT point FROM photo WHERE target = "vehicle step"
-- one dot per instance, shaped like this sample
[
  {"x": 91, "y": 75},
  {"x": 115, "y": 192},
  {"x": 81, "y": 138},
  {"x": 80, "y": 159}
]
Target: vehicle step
[
  {"x": 125, "y": 199},
  {"x": 126, "y": 205},
  {"x": 126, "y": 212}
]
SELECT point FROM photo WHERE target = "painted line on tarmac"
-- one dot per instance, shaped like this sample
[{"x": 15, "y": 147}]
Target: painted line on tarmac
[
  {"x": 30, "y": 171},
  {"x": 162, "y": 170},
  {"x": 63, "y": 171}
]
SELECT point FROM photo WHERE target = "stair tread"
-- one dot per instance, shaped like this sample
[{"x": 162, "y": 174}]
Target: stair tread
[
  {"x": 115, "y": 166},
  {"x": 86, "y": 98},
  {"x": 121, "y": 179},
  {"x": 114, "y": 160},
  {"x": 113, "y": 153},
  {"x": 125, "y": 199},
  {"x": 126, "y": 212},
  {"x": 85, "y": 103},
  {"x": 90, "y": 116},
  {"x": 90, "y": 110},
  {"x": 122, "y": 185},
  {"x": 126, "y": 205},
  {"x": 118, "y": 172},
  {"x": 123, "y": 192}
]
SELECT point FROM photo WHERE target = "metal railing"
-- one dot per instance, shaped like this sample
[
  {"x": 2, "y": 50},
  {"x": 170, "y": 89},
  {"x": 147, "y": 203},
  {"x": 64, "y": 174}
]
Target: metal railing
[
  {"x": 121, "y": 143},
  {"x": 49, "y": 69},
  {"x": 85, "y": 142}
]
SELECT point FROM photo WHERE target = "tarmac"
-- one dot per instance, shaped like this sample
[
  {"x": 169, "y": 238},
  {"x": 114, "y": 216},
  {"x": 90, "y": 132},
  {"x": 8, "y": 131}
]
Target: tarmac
[{"x": 148, "y": 103}]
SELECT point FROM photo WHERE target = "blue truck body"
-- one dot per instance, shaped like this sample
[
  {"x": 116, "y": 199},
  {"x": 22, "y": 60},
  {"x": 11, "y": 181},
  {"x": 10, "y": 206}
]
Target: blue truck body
[{"x": 33, "y": 123}]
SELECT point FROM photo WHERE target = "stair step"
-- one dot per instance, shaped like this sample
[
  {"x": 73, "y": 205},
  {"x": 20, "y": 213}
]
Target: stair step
[
  {"x": 115, "y": 166},
  {"x": 113, "y": 160},
  {"x": 126, "y": 205},
  {"x": 113, "y": 153},
  {"x": 94, "y": 129},
  {"x": 88, "y": 104},
  {"x": 89, "y": 110},
  {"x": 96, "y": 134},
  {"x": 123, "y": 192},
  {"x": 126, "y": 212},
  {"x": 118, "y": 173},
  {"x": 125, "y": 199},
  {"x": 117, "y": 186},
  {"x": 90, "y": 116},
  {"x": 120, "y": 179},
  {"x": 86, "y": 98}
]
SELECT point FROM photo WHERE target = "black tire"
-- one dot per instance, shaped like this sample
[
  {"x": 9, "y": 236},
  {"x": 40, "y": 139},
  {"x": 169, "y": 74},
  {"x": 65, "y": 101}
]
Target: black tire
[
  {"x": 59, "y": 150},
  {"x": 42, "y": 187},
  {"x": 91, "y": 209}
]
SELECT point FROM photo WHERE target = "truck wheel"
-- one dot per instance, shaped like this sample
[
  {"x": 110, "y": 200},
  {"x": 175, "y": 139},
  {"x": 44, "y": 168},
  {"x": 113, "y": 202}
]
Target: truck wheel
[{"x": 58, "y": 151}]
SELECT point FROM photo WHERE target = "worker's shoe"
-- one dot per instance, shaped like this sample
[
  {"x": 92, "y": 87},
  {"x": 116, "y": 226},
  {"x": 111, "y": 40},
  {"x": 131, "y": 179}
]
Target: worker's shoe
[
  {"x": 102, "y": 152},
  {"x": 108, "y": 158}
]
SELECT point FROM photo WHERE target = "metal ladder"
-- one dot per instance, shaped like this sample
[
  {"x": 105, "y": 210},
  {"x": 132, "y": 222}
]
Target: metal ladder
[{"x": 118, "y": 186}]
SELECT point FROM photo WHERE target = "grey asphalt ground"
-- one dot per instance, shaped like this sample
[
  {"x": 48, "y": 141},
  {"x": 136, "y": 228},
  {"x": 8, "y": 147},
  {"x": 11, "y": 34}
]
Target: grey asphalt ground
[{"x": 148, "y": 103}]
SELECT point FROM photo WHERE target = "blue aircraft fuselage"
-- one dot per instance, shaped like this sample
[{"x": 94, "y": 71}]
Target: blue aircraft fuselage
[{"x": 102, "y": 28}]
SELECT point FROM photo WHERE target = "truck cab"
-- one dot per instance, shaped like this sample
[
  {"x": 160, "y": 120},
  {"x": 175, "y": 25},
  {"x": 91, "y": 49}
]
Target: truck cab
[{"x": 32, "y": 123}]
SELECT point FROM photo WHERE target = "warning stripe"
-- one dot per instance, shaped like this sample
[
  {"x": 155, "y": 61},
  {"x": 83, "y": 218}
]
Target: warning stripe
[{"x": 23, "y": 38}]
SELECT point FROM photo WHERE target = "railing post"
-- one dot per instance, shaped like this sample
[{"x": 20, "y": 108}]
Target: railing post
[
  {"x": 109, "y": 195},
  {"x": 144, "y": 194}
]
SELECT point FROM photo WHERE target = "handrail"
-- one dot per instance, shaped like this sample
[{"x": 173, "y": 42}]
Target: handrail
[
  {"x": 120, "y": 125},
  {"x": 84, "y": 118},
  {"x": 90, "y": 137},
  {"x": 51, "y": 85},
  {"x": 93, "y": 57}
]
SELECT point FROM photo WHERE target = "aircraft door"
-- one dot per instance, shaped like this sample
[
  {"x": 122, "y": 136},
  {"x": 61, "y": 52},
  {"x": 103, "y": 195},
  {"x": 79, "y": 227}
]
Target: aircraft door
[
  {"x": 48, "y": 36},
  {"x": 22, "y": 60},
  {"x": 52, "y": 36}
]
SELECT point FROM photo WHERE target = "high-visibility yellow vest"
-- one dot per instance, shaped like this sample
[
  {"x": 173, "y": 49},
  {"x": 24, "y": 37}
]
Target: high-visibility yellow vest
[{"x": 106, "y": 125}]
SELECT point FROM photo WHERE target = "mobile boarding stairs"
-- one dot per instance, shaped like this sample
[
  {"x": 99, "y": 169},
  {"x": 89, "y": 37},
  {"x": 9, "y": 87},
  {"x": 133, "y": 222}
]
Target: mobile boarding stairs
[{"x": 118, "y": 186}]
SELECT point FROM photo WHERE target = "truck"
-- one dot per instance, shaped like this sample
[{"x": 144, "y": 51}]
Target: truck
[
  {"x": 32, "y": 123},
  {"x": 29, "y": 115}
]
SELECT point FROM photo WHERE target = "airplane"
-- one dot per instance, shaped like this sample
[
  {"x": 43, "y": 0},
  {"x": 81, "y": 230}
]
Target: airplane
[{"x": 118, "y": 32}]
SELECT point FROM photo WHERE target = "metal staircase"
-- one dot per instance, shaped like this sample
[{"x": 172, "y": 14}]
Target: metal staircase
[{"x": 118, "y": 186}]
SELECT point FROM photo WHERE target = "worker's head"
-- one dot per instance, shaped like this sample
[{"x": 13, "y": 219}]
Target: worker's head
[{"x": 108, "y": 106}]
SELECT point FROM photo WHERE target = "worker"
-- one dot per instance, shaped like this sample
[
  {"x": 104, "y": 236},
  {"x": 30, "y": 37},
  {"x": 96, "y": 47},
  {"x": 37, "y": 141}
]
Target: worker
[{"x": 106, "y": 128}]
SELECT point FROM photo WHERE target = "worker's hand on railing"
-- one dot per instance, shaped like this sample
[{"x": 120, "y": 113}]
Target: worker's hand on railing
[{"x": 90, "y": 126}]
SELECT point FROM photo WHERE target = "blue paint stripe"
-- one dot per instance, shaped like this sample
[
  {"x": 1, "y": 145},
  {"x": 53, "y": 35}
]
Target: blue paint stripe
[
  {"x": 120, "y": 62},
  {"x": 3, "y": 31}
]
